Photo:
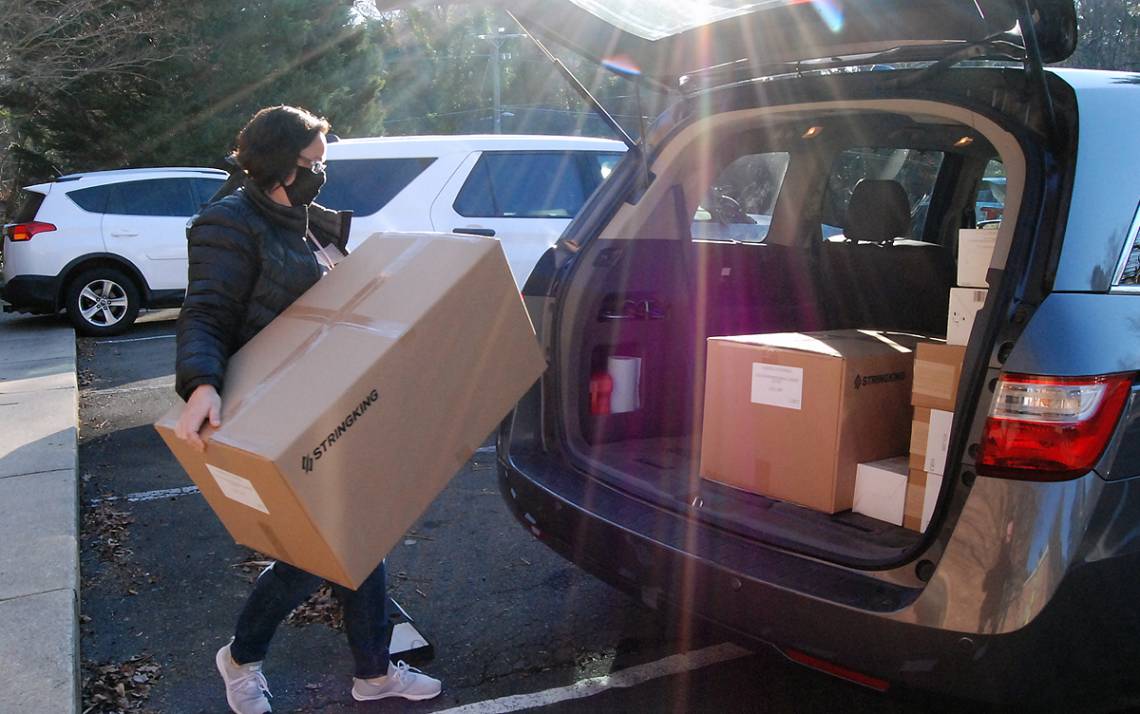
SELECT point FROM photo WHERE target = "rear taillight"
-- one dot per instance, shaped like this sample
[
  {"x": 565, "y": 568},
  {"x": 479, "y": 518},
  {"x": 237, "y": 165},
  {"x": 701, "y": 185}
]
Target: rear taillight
[
  {"x": 18, "y": 232},
  {"x": 1051, "y": 428}
]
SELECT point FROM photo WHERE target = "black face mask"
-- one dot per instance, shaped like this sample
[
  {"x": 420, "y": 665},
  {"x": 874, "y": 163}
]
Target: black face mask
[{"x": 305, "y": 187}]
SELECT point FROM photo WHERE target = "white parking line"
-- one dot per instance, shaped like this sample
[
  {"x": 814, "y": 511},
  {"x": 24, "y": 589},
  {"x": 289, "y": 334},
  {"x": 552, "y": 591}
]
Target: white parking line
[
  {"x": 146, "y": 386},
  {"x": 595, "y": 685},
  {"x": 186, "y": 490},
  {"x": 148, "y": 495},
  {"x": 134, "y": 339}
]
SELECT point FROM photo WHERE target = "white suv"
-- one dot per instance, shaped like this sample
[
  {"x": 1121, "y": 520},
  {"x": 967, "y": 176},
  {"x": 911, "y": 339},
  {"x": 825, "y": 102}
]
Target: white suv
[
  {"x": 102, "y": 245},
  {"x": 522, "y": 190}
]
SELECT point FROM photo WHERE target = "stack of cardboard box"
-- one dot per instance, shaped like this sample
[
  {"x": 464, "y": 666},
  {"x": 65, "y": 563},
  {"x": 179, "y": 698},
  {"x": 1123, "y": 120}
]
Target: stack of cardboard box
[
  {"x": 905, "y": 491},
  {"x": 820, "y": 419},
  {"x": 937, "y": 370},
  {"x": 975, "y": 251},
  {"x": 791, "y": 415}
]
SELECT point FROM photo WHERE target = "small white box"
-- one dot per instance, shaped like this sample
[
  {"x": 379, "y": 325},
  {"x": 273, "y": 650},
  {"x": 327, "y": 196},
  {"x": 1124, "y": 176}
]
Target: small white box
[
  {"x": 975, "y": 251},
  {"x": 964, "y": 306},
  {"x": 880, "y": 489},
  {"x": 930, "y": 498}
]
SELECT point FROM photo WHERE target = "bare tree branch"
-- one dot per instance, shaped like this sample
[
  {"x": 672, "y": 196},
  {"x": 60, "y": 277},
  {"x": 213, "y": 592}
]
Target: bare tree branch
[{"x": 45, "y": 44}]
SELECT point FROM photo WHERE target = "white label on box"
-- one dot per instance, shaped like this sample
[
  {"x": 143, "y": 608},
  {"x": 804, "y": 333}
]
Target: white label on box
[
  {"x": 777, "y": 386},
  {"x": 938, "y": 441},
  {"x": 238, "y": 489}
]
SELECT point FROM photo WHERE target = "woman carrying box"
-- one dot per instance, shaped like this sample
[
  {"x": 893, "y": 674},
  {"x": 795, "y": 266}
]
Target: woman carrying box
[{"x": 251, "y": 255}]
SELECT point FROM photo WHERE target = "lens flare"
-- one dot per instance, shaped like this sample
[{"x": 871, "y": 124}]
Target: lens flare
[{"x": 830, "y": 11}]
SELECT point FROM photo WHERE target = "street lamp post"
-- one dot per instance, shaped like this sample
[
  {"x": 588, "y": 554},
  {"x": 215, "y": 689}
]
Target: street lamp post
[{"x": 496, "y": 39}]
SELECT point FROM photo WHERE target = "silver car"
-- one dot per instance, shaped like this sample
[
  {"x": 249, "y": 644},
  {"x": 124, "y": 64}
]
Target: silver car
[{"x": 1022, "y": 587}]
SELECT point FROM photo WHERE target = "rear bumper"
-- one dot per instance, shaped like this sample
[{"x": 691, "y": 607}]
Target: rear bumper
[
  {"x": 36, "y": 294},
  {"x": 1060, "y": 655}
]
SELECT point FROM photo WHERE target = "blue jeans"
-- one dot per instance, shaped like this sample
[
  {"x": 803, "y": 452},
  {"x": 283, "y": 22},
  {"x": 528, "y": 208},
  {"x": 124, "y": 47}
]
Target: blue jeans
[{"x": 281, "y": 588}]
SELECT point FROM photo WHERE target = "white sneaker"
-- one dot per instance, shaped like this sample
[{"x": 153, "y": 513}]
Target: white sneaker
[
  {"x": 246, "y": 689},
  {"x": 401, "y": 681}
]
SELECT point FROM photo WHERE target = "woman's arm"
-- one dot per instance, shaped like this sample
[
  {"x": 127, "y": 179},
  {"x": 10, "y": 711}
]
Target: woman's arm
[{"x": 223, "y": 266}]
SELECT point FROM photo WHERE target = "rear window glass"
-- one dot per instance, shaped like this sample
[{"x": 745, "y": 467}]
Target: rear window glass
[
  {"x": 916, "y": 170},
  {"x": 26, "y": 204},
  {"x": 599, "y": 166},
  {"x": 364, "y": 186},
  {"x": 204, "y": 190},
  {"x": 738, "y": 206},
  {"x": 990, "y": 204},
  {"x": 1131, "y": 269},
  {"x": 153, "y": 197},
  {"x": 92, "y": 199},
  {"x": 526, "y": 184}
]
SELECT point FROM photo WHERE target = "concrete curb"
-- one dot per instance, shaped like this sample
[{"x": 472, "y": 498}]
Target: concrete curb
[{"x": 39, "y": 516}]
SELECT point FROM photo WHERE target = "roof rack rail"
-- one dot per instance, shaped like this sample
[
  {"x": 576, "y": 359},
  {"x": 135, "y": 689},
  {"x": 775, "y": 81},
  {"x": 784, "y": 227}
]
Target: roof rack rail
[{"x": 142, "y": 170}]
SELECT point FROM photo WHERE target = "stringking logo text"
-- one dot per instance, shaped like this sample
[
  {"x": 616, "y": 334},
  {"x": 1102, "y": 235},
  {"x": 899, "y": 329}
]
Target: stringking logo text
[
  {"x": 870, "y": 379},
  {"x": 310, "y": 459}
]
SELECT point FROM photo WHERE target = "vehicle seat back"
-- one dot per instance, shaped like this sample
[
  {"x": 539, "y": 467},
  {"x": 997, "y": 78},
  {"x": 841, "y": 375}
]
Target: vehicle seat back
[{"x": 876, "y": 277}]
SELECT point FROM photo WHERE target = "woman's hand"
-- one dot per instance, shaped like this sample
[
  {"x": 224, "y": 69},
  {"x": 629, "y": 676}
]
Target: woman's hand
[{"x": 204, "y": 402}]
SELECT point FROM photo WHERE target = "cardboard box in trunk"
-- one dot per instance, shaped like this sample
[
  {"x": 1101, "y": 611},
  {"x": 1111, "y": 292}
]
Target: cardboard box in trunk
[
  {"x": 880, "y": 489},
  {"x": 922, "y": 490},
  {"x": 346, "y": 416},
  {"x": 975, "y": 251},
  {"x": 964, "y": 306},
  {"x": 937, "y": 371},
  {"x": 930, "y": 439},
  {"x": 791, "y": 415}
]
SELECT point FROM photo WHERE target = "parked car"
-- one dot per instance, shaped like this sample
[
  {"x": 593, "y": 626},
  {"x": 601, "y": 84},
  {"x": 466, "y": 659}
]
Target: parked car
[
  {"x": 991, "y": 199},
  {"x": 1022, "y": 589},
  {"x": 103, "y": 245},
  {"x": 523, "y": 190}
]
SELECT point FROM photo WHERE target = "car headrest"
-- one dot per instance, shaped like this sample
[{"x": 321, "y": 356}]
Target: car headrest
[{"x": 878, "y": 211}]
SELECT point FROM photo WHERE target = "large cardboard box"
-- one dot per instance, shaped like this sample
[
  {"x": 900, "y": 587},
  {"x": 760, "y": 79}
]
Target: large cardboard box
[
  {"x": 791, "y": 415},
  {"x": 975, "y": 251},
  {"x": 346, "y": 416},
  {"x": 930, "y": 439},
  {"x": 937, "y": 371},
  {"x": 880, "y": 489},
  {"x": 964, "y": 306}
]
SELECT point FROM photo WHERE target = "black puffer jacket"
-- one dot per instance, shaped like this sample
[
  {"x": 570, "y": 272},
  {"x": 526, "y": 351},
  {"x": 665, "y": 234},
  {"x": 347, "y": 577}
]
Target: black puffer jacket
[{"x": 249, "y": 260}]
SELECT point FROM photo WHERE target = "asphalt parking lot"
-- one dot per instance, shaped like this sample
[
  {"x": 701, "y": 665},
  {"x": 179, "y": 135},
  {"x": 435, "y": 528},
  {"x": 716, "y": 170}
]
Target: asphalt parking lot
[{"x": 513, "y": 625}]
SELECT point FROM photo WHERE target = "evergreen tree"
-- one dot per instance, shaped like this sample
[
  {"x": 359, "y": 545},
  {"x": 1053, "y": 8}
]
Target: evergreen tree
[{"x": 230, "y": 60}]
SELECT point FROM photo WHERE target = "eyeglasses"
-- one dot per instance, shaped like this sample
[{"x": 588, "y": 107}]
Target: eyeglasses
[{"x": 317, "y": 167}]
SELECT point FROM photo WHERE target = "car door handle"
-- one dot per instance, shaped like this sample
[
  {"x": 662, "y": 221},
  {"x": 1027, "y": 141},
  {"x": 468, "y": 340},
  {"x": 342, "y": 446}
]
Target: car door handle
[
  {"x": 124, "y": 234},
  {"x": 488, "y": 232}
]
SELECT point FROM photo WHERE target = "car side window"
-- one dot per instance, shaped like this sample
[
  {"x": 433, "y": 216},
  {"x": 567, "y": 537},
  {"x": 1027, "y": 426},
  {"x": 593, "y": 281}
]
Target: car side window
[
  {"x": 599, "y": 166},
  {"x": 204, "y": 190},
  {"x": 153, "y": 197},
  {"x": 915, "y": 169},
  {"x": 92, "y": 199},
  {"x": 1130, "y": 270},
  {"x": 364, "y": 186},
  {"x": 990, "y": 202},
  {"x": 523, "y": 184},
  {"x": 739, "y": 203}
]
